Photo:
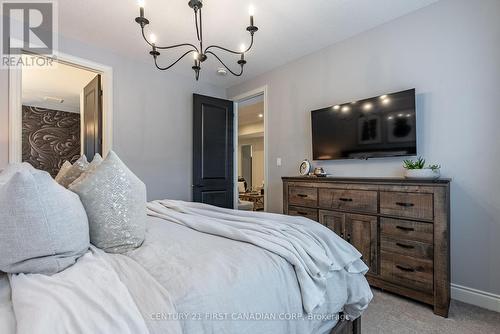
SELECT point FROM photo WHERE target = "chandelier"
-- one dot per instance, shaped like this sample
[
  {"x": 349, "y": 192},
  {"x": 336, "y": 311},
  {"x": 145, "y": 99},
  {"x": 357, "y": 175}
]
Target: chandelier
[{"x": 200, "y": 54}]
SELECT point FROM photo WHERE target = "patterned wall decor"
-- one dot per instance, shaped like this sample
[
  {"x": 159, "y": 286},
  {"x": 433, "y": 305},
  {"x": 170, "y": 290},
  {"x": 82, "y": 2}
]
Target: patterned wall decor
[{"x": 50, "y": 137}]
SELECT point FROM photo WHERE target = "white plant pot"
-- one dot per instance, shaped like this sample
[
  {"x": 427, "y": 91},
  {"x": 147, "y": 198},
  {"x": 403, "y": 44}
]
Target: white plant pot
[{"x": 425, "y": 173}]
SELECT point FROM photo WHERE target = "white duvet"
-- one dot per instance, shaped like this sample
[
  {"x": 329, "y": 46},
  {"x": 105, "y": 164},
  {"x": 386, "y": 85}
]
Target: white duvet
[{"x": 179, "y": 281}]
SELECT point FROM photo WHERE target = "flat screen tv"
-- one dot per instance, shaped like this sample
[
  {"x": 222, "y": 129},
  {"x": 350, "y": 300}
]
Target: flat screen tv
[{"x": 381, "y": 126}]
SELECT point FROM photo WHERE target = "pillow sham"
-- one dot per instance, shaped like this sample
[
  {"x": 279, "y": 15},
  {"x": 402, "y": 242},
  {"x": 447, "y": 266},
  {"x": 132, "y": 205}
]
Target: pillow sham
[
  {"x": 90, "y": 168},
  {"x": 73, "y": 173},
  {"x": 44, "y": 227},
  {"x": 64, "y": 169},
  {"x": 115, "y": 201}
]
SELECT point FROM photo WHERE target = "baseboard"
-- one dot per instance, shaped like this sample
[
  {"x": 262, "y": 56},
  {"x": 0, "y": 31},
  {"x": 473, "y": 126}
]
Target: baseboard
[{"x": 479, "y": 298}]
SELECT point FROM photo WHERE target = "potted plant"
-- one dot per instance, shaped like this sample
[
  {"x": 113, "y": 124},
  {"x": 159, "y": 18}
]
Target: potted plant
[{"x": 416, "y": 169}]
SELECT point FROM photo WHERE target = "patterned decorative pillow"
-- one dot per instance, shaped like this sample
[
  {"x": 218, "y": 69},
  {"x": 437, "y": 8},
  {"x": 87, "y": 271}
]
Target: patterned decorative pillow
[
  {"x": 90, "y": 168},
  {"x": 43, "y": 227},
  {"x": 72, "y": 173},
  {"x": 115, "y": 201},
  {"x": 64, "y": 169}
]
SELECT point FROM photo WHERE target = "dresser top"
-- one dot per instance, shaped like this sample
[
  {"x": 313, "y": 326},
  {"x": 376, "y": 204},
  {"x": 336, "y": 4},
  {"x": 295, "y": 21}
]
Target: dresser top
[{"x": 398, "y": 180}]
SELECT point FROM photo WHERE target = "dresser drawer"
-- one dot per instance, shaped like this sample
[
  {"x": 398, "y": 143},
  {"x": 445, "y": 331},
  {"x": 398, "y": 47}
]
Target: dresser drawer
[
  {"x": 303, "y": 196},
  {"x": 304, "y": 212},
  {"x": 411, "y": 248},
  {"x": 412, "y": 205},
  {"x": 406, "y": 229},
  {"x": 340, "y": 199},
  {"x": 413, "y": 273}
]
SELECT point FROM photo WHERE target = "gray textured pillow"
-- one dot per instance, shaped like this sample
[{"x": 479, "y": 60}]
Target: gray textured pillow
[
  {"x": 115, "y": 201},
  {"x": 69, "y": 175},
  {"x": 43, "y": 227},
  {"x": 64, "y": 169}
]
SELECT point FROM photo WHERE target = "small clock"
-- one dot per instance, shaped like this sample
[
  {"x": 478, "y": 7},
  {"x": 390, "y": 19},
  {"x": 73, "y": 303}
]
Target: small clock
[{"x": 305, "y": 167}]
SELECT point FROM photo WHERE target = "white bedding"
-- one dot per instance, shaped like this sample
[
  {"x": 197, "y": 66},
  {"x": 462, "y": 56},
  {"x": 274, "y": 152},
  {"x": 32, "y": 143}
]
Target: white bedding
[{"x": 181, "y": 280}]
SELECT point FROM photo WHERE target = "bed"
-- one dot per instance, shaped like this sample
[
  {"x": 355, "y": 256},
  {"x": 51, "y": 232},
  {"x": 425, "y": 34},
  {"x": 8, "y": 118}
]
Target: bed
[{"x": 182, "y": 280}]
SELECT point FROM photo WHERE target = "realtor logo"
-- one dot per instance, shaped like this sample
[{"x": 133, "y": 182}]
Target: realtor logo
[{"x": 27, "y": 27}]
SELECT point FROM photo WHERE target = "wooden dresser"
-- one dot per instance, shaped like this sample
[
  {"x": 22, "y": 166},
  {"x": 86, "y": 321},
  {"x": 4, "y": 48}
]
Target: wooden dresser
[{"x": 401, "y": 227}]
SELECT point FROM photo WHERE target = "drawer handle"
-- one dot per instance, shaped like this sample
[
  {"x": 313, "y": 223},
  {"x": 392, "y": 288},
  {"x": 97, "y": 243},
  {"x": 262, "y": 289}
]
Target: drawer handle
[
  {"x": 405, "y": 246},
  {"x": 410, "y": 229},
  {"x": 410, "y": 270},
  {"x": 343, "y": 199},
  {"x": 302, "y": 213},
  {"x": 405, "y": 205},
  {"x": 302, "y": 195}
]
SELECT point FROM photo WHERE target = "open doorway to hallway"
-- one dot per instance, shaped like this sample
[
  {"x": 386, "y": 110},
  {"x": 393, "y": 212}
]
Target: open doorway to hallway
[
  {"x": 250, "y": 157},
  {"x": 61, "y": 115}
]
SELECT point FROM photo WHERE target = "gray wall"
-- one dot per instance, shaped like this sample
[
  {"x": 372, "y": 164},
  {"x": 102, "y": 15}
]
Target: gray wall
[
  {"x": 450, "y": 52},
  {"x": 152, "y": 125}
]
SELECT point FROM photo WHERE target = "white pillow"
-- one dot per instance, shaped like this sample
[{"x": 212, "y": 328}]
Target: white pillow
[
  {"x": 69, "y": 175},
  {"x": 115, "y": 201},
  {"x": 64, "y": 169},
  {"x": 43, "y": 227}
]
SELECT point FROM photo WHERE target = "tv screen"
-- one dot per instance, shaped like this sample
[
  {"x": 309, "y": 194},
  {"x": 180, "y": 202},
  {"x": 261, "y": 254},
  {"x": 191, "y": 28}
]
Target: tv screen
[{"x": 382, "y": 126}]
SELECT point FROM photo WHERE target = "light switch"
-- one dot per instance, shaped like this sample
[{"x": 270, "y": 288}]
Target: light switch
[{"x": 278, "y": 162}]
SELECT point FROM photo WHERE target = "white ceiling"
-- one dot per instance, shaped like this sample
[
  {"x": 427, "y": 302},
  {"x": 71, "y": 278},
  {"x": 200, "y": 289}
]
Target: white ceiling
[
  {"x": 61, "y": 82},
  {"x": 249, "y": 114},
  {"x": 287, "y": 29}
]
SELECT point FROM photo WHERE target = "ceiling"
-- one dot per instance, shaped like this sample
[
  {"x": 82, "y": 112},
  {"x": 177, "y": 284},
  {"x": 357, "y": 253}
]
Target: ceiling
[
  {"x": 287, "y": 29},
  {"x": 61, "y": 82},
  {"x": 250, "y": 114}
]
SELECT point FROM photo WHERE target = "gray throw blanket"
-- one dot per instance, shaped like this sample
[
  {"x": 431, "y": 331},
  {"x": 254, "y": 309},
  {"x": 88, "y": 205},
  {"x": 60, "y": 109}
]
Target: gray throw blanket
[{"x": 313, "y": 250}]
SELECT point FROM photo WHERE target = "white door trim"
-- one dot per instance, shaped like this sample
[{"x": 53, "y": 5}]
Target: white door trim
[
  {"x": 235, "y": 99},
  {"x": 15, "y": 103}
]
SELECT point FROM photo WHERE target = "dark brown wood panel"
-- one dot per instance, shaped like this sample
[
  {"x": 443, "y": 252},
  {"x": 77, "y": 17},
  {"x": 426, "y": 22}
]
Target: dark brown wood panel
[
  {"x": 412, "y": 248},
  {"x": 303, "y": 212},
  {"x": 344, "y": 199},
  {"x": 407, "y": 271},
  {"x": 411, "y": 205},
  {"x": 361, "y": 231},
  {"x": 335, "y": 221},
  {"x": 92, "y": 118},
  {"x": 303, "y": 196},
  {"x": 406, "y": 229}
]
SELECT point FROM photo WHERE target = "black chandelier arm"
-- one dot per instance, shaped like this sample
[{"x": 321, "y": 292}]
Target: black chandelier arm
[
  {"x": 231, "y": 51},
  {"x": 227, "y": 68},
  {"x": 170, "y": 46},
  {"x": 175, "y": 62}
]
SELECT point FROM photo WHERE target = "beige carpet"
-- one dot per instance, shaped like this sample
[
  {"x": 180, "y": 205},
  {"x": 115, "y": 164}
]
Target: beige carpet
[{"x": 389, "y": 313}]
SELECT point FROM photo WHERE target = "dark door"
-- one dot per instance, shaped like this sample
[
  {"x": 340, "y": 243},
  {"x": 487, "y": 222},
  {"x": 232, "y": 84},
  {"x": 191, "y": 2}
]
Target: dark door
[
  {"x": 213, "y": 151},
  {"x": 92, "y": 118}
]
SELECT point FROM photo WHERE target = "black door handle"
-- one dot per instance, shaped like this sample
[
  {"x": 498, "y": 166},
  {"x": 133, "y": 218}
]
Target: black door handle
[
  {"x": 405, "y": 205},
  {"x": 405, "y": 246},
  {"x": 410, "y": 229},
  {"x": 411, "y": 270}
]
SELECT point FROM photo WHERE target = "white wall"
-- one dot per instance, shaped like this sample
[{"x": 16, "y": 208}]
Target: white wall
[
  {"x": 152, "y": 119},
  {"x": 257, "y": 159},
  {"x": 450, "y": 52}
]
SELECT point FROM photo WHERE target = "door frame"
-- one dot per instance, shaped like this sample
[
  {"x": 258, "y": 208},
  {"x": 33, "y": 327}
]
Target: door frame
[
  {"x": 244, "y": 96},
  {"x": 15, "y": 102}
]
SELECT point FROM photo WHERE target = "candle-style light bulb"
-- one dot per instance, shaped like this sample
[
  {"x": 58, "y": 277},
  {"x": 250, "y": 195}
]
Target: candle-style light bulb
[
  {"x": 152, "y": 39},
  {"x": 251, "y": 12},
  {"x": 141, "y": 8},
  {"x": 243, "y": 48},
  {"x": 196, "y": 55}
]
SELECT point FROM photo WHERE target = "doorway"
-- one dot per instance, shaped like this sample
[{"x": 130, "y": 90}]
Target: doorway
[
  {"x": 250, "y": 160},
  {"x": 58, "y": 112}
]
